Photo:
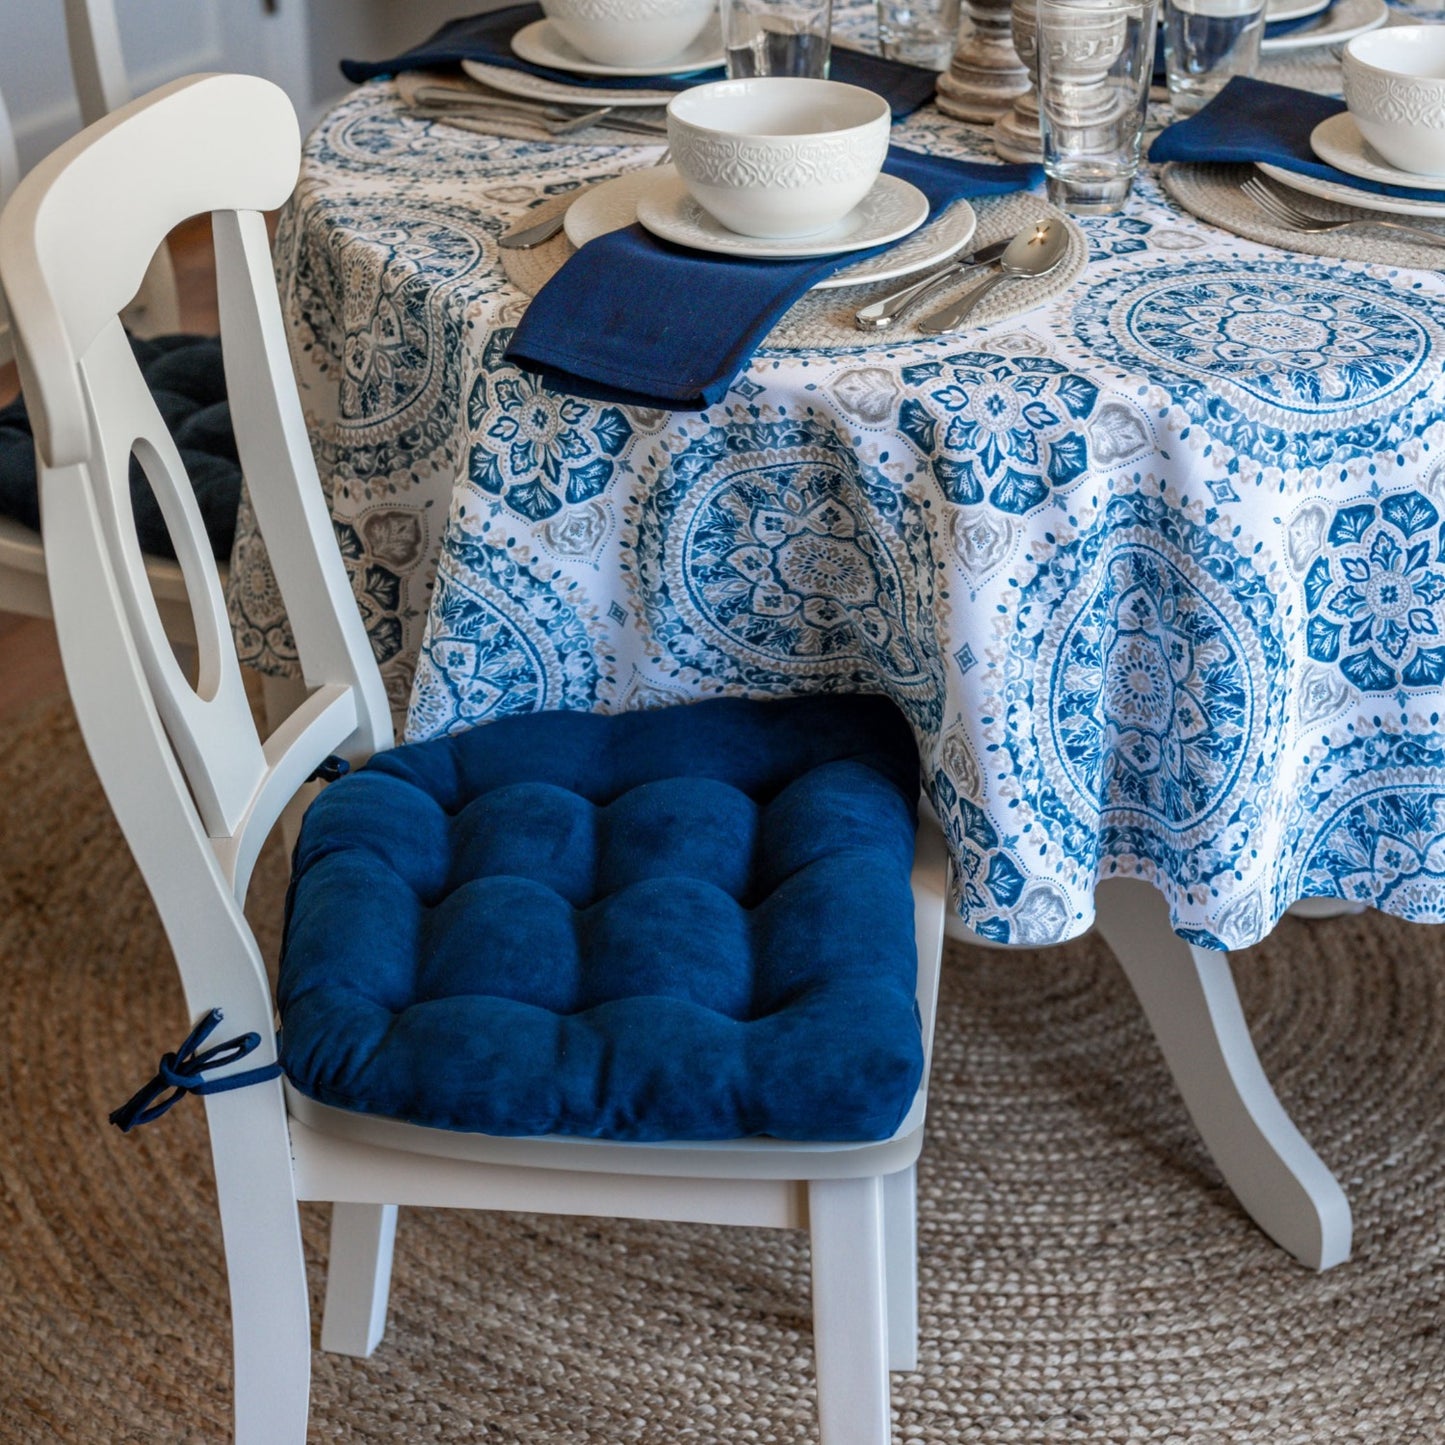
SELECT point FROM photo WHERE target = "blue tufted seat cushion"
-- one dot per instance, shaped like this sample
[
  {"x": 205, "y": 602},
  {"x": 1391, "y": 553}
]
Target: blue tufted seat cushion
[
  {"x": 688, "y": 923},
  {"x": 186, "y": 378}
]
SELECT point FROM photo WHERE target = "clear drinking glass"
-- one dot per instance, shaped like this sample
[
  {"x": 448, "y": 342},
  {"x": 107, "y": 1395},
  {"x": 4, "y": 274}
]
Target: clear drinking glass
[
  {"x": 918, "y": 32},
  {"x": 1206, "y": 42},
  {"x": 777, "y": 37},
  {"x": 1095, "y": 61}
]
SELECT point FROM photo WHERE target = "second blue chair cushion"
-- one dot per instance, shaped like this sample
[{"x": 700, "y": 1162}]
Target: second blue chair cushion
[
  {"x": 188, "y": 381},
  {"x": 688, "y": 923}
]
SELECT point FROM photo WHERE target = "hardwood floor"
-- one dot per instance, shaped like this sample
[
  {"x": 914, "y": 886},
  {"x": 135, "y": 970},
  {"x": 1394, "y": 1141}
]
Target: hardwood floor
[{"x": 30, "y": 670}]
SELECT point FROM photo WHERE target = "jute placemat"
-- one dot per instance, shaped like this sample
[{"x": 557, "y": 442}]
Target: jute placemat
[
  {"x": 1212, "y": 193},
  {"x": 1085, "y": 1276},
  {"x": 824, "y": 319}
]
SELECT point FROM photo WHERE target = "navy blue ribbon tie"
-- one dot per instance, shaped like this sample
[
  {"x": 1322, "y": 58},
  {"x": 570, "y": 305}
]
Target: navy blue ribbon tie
[
  {"x": 181, "y": 1072},
  {"x": 329, "y": 769}
]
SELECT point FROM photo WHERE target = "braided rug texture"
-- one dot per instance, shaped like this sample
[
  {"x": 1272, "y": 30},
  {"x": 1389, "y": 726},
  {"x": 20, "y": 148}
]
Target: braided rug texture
[{"x": 1085, "y": 1275}]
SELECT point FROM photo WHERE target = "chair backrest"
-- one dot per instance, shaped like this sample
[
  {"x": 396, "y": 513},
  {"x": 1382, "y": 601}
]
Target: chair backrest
[
  {"x": 97, "y": 69},
  {"x": 194, "y": 788},
  {"x": 97, "y": 64},
  {"x": 9, "y": 179}
]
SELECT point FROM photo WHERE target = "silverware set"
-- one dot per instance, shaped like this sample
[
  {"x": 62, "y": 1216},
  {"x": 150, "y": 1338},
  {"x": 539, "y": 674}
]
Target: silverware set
[
  {"x": 470, "y": 108},
  {"x": 1035, "y": 251},
  {"x": 1289, "y": 217}
]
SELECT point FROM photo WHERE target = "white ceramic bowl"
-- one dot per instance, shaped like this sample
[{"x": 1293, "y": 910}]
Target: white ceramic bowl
[
  {"x": 1395, "y": 90},
  {"x": 629, "y": 32},
  {"x": 778, "y": 156}
]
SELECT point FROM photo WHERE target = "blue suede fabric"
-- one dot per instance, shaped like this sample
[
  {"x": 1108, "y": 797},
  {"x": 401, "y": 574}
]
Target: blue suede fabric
[
  {"x": 186, "y": 377},
  {"x": 687, "y": 923}
]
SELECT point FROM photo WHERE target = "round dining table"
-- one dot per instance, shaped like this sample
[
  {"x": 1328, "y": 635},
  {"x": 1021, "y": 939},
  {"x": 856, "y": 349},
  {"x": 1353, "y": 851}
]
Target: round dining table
[{"x": 1156, "y": 570}]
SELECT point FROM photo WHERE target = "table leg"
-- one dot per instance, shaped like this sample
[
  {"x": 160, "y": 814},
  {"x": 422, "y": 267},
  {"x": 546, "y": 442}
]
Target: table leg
[{"x": 1189, "y": 998}]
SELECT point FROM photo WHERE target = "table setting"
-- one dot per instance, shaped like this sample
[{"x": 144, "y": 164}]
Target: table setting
[
  {"x": 586, "y": 472},
  {"x": 1144, "y": 540}
]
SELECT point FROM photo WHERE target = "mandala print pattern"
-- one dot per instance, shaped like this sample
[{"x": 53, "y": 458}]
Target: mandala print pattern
[
  {"x": 1377, "y": 599},
  {"x": 770, "y": 557},
  {"x": 378, "y": 300},
  {"x": 1369, "y": 824},
  {"x": 502, "y": 640},
  {"x": 1009, "y": 428},
  {"x": 1143, "y": 699},
  {"x": 1275, "y": 359},
  {"x": 535, "y": 449}
]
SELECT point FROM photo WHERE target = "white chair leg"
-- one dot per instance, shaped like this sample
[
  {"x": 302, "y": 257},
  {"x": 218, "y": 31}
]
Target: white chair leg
[
  {"x": 1324, "y": 907},
  {"x": 900, "y": 1265},
  {"x": 1189, "y": 998},
  {"x": 265, "y": 1266},
  {"x": 358, "y": 1278},
  {"x": 850, "y": 1326}
]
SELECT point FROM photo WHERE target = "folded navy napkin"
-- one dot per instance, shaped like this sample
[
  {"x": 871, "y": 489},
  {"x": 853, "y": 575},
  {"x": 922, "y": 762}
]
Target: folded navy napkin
[
  {"x": 488, "y": 38},
  {"x": 1254, "y": 120},
  {"x": 634, "y": 319}
]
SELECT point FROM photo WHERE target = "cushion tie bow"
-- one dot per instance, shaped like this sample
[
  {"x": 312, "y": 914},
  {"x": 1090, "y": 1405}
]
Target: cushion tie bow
[{"x": 181, "y": 1073}]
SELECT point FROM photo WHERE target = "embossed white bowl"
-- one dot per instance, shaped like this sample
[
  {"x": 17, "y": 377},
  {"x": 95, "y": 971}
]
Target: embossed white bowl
[
  {"x": 1395, "y": 90},
  {"x": 629, "y": 32},
  {"x": 778, "y": 156}
]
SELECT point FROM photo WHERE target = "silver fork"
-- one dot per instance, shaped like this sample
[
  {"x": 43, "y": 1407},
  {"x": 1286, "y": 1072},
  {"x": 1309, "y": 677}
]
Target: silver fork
[{"x": 1286, "y": 215}]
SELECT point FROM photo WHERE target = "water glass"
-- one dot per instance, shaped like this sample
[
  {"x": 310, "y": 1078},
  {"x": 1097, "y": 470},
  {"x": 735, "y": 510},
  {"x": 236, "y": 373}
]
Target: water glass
[
  {"x": 1095, "y": 62},
  {"x": 1205, "y": 43},
  {"x": 777, "y": 37},
  {"x": 918, "y": 32}
]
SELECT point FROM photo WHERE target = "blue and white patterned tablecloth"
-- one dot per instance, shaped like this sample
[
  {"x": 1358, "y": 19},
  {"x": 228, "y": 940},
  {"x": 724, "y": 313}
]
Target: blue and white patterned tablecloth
[{"x": 1156, "y": 571}]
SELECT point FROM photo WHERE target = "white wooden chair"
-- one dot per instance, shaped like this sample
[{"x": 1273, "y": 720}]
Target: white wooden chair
[
  {"x": 98, "y": 69},
  {"x": 196, "y": 791}
]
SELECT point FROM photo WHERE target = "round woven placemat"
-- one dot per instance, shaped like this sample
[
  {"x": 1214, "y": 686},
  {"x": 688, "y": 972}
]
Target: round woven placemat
[
  {"x": 1085, "y": 1276},
  {"x": 1212, "y": 193},
  {"x": 824, "y": 319}
]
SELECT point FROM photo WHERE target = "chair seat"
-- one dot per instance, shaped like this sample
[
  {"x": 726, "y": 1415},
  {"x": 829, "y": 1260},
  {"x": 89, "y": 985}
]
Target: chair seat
[
  {"x": 186, "y": 377},
  {"x": 681, "y": 924}
]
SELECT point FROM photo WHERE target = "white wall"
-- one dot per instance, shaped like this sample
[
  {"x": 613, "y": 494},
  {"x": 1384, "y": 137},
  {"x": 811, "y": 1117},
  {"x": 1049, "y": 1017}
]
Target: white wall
[
  {"x": 371, "y": 30},
  {"x": 299, "y": 45}
]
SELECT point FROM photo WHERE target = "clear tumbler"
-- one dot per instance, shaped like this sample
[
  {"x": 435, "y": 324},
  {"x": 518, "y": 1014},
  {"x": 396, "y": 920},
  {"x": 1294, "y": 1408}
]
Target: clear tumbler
[{"x": 1095, "y": 62}]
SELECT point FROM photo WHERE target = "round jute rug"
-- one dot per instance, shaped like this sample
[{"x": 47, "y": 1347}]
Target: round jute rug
[{"x": 1085, "y": 1275}]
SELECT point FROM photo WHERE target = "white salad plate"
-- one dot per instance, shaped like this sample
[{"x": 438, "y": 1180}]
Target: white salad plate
[
  {"x": 618, "y": 203},
  {"x": 890, "y": 210},
  {"x": 1292, "y": 9},
  {"x": 540, "y": 44},
  {"x": 1348, "y": 19},
  {"x": 1348, "y": 196},
  {"x": 533, "y": 87},
  {"x": 1338, "y": 142}
]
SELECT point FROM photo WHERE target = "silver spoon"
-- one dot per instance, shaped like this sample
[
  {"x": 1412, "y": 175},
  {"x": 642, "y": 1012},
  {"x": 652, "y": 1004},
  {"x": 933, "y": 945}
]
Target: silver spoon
[
  {"x": 887, "y": 309},
  {"x": 1035, "y": 251}
]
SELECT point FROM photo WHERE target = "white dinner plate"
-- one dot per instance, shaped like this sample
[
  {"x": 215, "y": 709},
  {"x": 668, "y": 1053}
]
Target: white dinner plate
[
  {"x": 1348, "y": 19},
  {"x": 614, "y": 204},
  {"x": 540, "y": 44},
  {"x": 1338, "y": 142},
  {"x": 1348, "y": 196},
  {"x": 889, "y": 211},
  {"x": 1292, "y": 9},
  {"x": 533, "y": 87}
]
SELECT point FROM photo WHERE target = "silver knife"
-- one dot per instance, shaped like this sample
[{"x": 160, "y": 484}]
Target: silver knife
[
  {"x": 524, "y": 236},
  {"x": 884, "y": 312}
]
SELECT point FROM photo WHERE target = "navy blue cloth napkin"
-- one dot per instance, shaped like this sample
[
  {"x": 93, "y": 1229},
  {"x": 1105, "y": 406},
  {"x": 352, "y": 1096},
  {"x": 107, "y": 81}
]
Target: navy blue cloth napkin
[
  {"x": 488, "y": 38},
  {"x": 634, "y": 319},
  {"x": 1253, "y": 120}
]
